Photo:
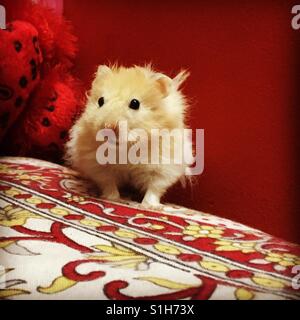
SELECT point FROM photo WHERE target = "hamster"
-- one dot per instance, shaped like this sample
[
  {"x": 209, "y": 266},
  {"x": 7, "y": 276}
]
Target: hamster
[{"x": 145, "y": 99}]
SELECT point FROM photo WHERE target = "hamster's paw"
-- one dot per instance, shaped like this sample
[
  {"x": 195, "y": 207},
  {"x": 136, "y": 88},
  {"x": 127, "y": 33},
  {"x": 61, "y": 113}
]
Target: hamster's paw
[
  {"x": 114, "y": 199},
  {"x": 151, "y": 201},
  {"x": 113, "y": 196},
  {"x": 123, "y": 200},
  {"x": 151, "y": 206}
]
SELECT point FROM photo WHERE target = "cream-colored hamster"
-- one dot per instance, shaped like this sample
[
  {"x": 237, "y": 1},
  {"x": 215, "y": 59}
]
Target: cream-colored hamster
[{"x": 146, "y": 100}]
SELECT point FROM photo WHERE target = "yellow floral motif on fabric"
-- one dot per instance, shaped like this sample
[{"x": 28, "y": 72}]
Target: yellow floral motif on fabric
[
  {"x": 11, "y": 216},
  {"x": 244, "y": 247},
  {"x": 165, "y": 283},
  {"x": 283, "y": 259},
  {"x": 35, "y": 200},
  {"x": 59, "y": 211},
  {"x": 214, "y": 266},
  {"x": 6, "y": 169},
  {"x": 89, "y": 222},
  {"x": 9, "y": 292},
  {"x": 125, "y": 234},
  {"x": 168, "y": 249},
  {"x": 12, "y": 192},
  {"x": 268, "y": 282},
  {"x": 243, "y": 294},
  {"x": 74, "y": 198},
  {"x": 30, "y": 177},
  {"x": 198, "y": 231},
  {"x": 58, "y": 285},
  {"x": 118, "y": 256}
]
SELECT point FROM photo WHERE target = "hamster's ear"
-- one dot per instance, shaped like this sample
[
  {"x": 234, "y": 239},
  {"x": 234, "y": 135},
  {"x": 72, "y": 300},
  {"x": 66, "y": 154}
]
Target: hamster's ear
[
  {"x": 164, "y": 84},
  {"x": 180, "y": 78},
  {"x": 103, "y": 70},
  {"x": 98, "y": 77}
]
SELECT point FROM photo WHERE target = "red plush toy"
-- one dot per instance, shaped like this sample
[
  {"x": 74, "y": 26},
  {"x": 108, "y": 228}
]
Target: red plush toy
[
  {"x": 39, "y": 97},
  {"x": 20, "y": 59}
]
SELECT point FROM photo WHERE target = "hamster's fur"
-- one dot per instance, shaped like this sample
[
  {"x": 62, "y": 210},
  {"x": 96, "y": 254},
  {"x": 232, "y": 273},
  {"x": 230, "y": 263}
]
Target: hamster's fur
[{"x": 162, "y": 105}]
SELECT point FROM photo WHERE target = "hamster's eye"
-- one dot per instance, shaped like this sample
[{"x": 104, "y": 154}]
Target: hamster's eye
[
  {"x": 134, "y": 104},
  {"x": 101, "y": 102}
]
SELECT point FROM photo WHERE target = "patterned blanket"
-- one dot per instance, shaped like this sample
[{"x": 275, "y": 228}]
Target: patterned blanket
[{"x": 58, "y": 240}]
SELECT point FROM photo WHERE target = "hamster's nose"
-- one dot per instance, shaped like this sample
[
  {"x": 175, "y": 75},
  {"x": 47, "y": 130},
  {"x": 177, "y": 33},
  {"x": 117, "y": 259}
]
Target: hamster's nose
[{"x": 112, "y": 126}]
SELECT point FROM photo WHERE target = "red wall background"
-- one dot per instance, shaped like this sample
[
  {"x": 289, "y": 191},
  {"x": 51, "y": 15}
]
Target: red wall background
[{"x": 243, "y": 57}]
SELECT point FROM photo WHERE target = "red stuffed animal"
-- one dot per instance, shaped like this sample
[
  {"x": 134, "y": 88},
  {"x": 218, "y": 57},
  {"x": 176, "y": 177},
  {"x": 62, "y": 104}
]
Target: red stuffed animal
[
  {"x": 39, "y": 97},
  {"x": 20, "y": 60}
]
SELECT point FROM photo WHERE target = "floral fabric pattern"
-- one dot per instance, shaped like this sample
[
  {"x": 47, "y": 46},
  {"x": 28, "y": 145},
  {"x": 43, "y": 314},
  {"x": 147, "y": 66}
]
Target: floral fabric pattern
[{"x": 59, "y": 240}]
